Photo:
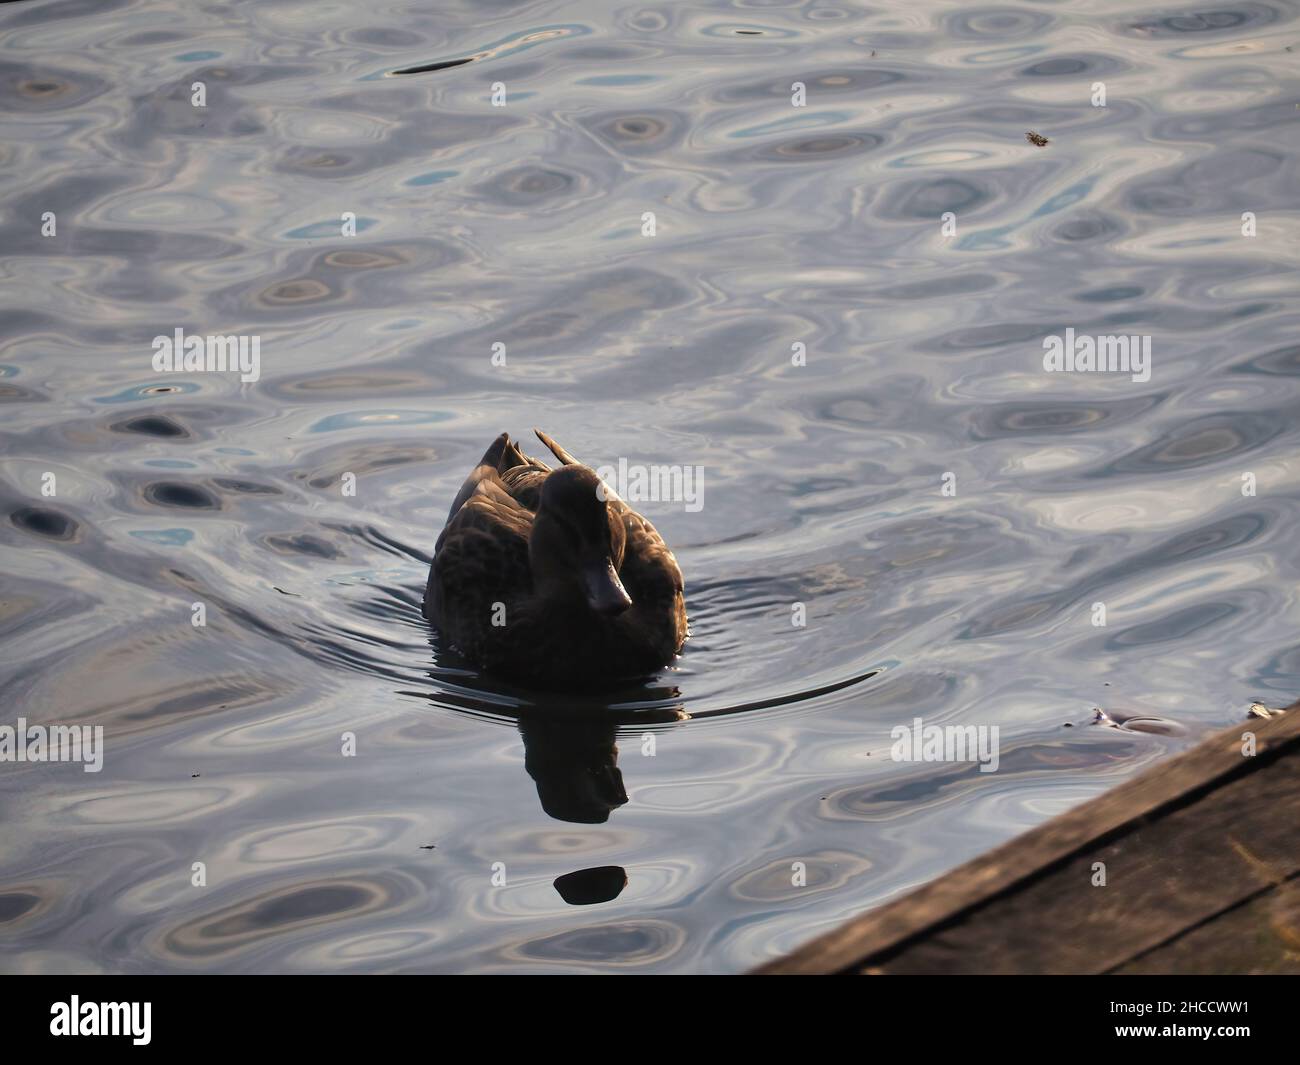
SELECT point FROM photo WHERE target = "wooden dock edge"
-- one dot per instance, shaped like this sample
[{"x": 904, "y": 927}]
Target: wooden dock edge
[{"x": 1172, "y": 783}]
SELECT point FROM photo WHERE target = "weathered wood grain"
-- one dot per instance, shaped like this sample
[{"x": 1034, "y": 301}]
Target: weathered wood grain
[{"x": 1259, "y": 937}]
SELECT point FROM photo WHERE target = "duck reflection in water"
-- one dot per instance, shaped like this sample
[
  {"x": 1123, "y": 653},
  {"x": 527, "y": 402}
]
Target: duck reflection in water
[
  {"x": 574, "y": 763},
  {"x": 572, "y": 756},
  {"x": 570, "y": 745},
  {"x": 570, "y": 751}
]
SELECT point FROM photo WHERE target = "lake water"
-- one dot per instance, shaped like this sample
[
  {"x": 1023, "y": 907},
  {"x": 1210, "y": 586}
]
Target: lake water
[{"x": 946, "y": 510}]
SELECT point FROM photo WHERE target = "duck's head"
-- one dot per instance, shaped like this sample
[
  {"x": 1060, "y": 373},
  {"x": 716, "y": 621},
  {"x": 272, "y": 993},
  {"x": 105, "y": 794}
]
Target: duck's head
[{"x": 576, "y": 546}]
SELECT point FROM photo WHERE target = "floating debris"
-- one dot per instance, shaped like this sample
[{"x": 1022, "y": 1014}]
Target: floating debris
[
  {"x": 516, "y": 43},
  {"x": 1132, "y": 721},
  {"x": 1260, "y": 710},
  {"x": 436, "y": 66},
  {"x": 1037, "y": 139}
]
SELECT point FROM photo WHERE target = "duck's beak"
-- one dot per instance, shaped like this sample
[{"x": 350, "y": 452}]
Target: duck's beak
[{"x": 605, "y": 592}]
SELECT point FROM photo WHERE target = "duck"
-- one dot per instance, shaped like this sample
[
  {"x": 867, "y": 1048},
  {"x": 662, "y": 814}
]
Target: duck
[{"x": 546, "y": 578}]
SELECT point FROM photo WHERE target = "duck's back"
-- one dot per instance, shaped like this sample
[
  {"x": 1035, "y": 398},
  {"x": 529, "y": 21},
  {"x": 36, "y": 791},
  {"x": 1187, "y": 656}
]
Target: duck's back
[
  {"x": 480, "y": 590},
  {"x": 481, "y": 557}
]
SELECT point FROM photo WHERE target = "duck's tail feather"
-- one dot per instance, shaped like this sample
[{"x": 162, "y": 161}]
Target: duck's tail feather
[
  {"x": 569, "y": 460},
  {"x": 504, "y": 454},
  {"x": 496, "y": 451},
  {"x": 512, "y": 457},
  {"x": 556, "y": 450}
]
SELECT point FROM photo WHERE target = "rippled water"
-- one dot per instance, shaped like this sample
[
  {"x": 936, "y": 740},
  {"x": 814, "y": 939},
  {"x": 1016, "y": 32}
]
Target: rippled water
[{"x": 522, "y": 225}]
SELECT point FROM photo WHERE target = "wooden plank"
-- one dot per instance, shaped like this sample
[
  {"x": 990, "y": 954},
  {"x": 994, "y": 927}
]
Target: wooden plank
[
  {"x": 1178, "y": 782},
  {"x": 1167, "y": 875},
  {"x": 1261, "y": 937}
]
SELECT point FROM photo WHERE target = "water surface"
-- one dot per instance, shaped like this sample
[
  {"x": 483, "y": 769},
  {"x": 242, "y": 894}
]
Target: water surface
[{"x": 658, "y": 830}]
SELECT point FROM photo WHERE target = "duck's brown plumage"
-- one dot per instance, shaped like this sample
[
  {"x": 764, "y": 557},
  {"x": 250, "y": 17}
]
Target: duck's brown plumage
[{"x": 551, "y": 637}]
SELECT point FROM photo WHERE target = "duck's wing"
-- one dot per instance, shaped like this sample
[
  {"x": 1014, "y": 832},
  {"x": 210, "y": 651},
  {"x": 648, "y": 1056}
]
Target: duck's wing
[
  {"x": 654, "y": 581},
  {"x": 649, "y": 569},
  {"x": 523, "y": 475},
  {"x": 503, "y": 465},
  {"x": 483, "y": 549},
  {"x": 481, "y": 559},
  {"x": 486, "y": 470}
]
